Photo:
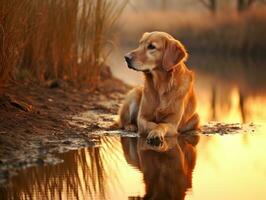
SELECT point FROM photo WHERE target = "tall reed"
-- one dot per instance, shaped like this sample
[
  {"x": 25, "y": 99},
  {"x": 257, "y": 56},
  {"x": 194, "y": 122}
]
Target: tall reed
[
  {"x": 12, "y": 40},
  {"x": 56, "y": 39}
]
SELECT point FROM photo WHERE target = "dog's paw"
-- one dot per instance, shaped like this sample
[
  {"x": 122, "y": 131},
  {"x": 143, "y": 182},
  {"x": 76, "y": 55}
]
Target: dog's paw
[
  {"x": 113, "y": 126},
  {"x": 155, "y": 137},
  {"x": 131, "y": 128}
]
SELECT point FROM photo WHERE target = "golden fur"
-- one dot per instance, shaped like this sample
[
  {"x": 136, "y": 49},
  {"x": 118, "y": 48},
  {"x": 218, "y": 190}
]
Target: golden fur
[{"x": 166, "y": 104}]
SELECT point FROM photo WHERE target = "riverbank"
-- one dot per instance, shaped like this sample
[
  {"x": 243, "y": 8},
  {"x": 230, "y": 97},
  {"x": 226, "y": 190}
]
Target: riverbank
[{"x": 37, "y": 120}]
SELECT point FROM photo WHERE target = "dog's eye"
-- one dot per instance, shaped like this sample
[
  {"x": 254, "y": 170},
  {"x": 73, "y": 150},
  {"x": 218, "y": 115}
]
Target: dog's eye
[{"x": 151, "y": 47}]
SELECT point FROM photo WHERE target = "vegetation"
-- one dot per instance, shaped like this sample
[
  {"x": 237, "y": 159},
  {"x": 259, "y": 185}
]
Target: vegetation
[
  {"x": 229, "y": 33},
  {"x": 46, "y": 39},
  {"x": 235, "y": 34},
  {"x": 210, "y": 4}
]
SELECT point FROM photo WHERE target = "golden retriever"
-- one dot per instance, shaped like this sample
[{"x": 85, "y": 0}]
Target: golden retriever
[
  {"x": 167, "y": 168},
  {"x": 166, "y": 104}
]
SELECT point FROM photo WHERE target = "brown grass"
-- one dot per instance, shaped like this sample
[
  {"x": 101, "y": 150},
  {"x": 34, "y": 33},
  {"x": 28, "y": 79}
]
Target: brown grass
[
  {"x": 55, "y": 39},
  {"x": 226, "y": 33}
]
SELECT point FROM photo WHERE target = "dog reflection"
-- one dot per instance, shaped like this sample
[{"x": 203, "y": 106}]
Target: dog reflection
[{"x": 167, "y": 168}]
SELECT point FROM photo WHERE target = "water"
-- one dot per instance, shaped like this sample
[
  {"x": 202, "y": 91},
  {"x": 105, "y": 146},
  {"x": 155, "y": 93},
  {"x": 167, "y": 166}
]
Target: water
[{"x": 192, "y": 167}]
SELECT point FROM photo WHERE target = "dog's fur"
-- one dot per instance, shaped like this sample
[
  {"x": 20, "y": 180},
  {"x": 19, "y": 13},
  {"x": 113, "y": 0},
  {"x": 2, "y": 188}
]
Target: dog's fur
[{"x": 166, "y": 104}]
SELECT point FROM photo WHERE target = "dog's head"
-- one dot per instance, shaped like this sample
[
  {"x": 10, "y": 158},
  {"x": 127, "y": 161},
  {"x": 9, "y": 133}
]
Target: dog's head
[{"x": 156, "y": 50}]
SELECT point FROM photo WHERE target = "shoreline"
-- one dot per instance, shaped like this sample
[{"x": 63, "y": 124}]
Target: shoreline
[{"x": 38, "y": 121}]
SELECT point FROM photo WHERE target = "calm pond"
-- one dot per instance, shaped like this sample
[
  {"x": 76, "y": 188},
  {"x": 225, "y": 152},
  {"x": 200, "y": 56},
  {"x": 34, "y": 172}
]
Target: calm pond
[
  {"x": 200, "y": 167},
  {"x": 192, "y": 167}
]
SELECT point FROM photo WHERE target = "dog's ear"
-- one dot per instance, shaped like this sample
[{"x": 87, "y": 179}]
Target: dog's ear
[
  {"x": 174, "y": 54},
  {"x": 144, "y": 35}
]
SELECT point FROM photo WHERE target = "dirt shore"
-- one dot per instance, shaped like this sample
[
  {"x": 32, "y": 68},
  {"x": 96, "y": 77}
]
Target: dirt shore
[{"x": 37, "y": 121}]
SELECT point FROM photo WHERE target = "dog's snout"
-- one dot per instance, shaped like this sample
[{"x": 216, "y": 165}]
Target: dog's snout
[{"x": 128, "y": 59}]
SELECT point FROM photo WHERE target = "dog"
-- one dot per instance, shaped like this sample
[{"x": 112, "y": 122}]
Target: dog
[
  {"x": 167, "y": 168},
  {"x": 166, "y": 104}
]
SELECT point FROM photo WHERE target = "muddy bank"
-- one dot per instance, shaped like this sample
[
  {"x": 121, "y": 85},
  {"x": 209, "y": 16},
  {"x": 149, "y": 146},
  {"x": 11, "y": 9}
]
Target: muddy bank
[{"x": 36, "y": 121}]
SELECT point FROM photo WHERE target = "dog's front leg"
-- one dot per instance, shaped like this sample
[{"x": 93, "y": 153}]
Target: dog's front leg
[
  {"x": 145, "y": 126},
  {"x": 168, "y": 126},
  {"x": 159, "y": 130},
  {"x": 162, "y": 130}
]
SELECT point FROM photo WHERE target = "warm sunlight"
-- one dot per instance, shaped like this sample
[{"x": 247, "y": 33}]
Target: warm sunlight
[
  {"x": 230, "y": 167},
  {"x": 133, "y": 99}
]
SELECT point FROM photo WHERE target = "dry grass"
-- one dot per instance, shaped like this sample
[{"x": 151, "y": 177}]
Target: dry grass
[
  {"x": 55, "y": 39},
  {"x": 227, "y": 33}
]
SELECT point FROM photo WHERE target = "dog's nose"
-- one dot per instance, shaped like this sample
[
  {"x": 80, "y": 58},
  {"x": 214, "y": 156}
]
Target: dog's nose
[{"x": 128, "y": 59}]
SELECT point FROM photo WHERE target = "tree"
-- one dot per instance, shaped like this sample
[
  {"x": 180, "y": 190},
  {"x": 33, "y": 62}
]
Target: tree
[
  {"x": 210, "y": 4},
  {"x": 163, "y": 4},
  {"x": 243, "y": 5}
]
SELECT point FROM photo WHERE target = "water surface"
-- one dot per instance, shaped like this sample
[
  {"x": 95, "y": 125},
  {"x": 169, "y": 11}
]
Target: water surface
[{"x": 191, "y": 167}]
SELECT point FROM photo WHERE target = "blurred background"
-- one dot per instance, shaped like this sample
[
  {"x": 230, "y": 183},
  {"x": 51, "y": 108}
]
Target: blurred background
[{"x": 75, "y": 40}]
